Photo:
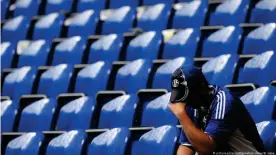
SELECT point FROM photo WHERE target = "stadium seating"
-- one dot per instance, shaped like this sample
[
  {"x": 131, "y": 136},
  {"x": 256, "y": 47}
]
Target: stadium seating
[
  {"x": 260, "y": 40},
  {"x": 183, "y": 43},
  {"x": 19, "y": 82},
  {"x": 267, "y": 130},
  {"x": 119, "y": 21},
  {"x": 28, "y": 8},
  {"x": 118, "y": 112},
  {"x": 58, "y": 5},
  {"x": 164, "y": 72},
  {"x": 264, "y": 12},
  {"x": 15, "y": 29},
  {"x": 159, "y": 141},
  {"x": 48, "y": 27},
  {"x": 107, "y": 48},
  {"x": 7, "y": 53},
  {"x": 82, "y": 24},
  {"x": 28, "y": 143},
  {"x": 93, "y": 78},
  {"x": 76, "y": 114},
  {"x": 234, "y": 11},
  {"x": 96, "y": 5},
  {"x": 144, "y": 46},
  {"x": 55, "y": 80},
  {"x": 259, "y": 70},
  {"x": 69, "y": 143},
  {"x": 35, "y": 54},
  {"x": 113, "y": 141},
  {"x": 133, "y": 76},
  {"x": 4, "y": 8},
  {"x": 190, "y": 15},
  {"x": 153, "y": 2},
  {"x": 223, "y": 41},
  {"x": 8, "y": 114},
  {"x": 37, "y": 116},
  {"x": 220, "y": 70},
  {"x": 114, "y": 4}
]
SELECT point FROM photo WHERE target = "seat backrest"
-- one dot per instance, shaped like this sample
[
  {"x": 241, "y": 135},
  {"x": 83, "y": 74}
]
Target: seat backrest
[
  {"x": 153, "y": 2},
  {"x": 96, "y": 5},
  {"x": 7, "y": 53},
  {"x": 8, "y": 113},
  {"x": 28, "y": 8},
  {"x": 58, "y": 5},
  {"x": 118, "y": 3},
  {"x": 263, "y": 12},
  {"x": 267, "y": 130}
]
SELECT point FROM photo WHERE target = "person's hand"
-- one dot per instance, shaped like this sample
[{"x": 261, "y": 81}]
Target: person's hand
[{"x": 178, "y": 109}]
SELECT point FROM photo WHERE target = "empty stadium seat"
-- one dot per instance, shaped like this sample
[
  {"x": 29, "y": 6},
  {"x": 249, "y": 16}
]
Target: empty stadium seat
[
  {"x": 164, "y": 72},
  {"x": 15, "y": 29},
  {"x": 37, "y": 116},
  {"x": 264, "y": 12},
  {"x": 28, "y": 143},
  {"x": 93, "y": 78},
  {"x": 156, "y": 113},
  {"x": 144, "y": 46},
  {"x": 230, "y": 12},
  {"x": 58, "y": 5},
  {"x": 133, "y": 76},
  {"x": 76, "y": 114},
  {"x": 69, "y": 143},
  {"x": 267, "y": 130},
  {"x": 55, "y": 80},
  {"x": 118, "y": 112},
  {"x": 28, "y": 8},
  {"x": 190, "y": 15},
  {"x": 8, "y": 114},
  {"x": 154, "y": 18},
  {"x": 48, "y": 27},
  {"x": 69, "y": 51},
  {"x": 4, "y": 8},
  {"x": 153, "y": 2},
  {"x": 36, "y": 54},
  {"x": 260, "y": 40},
  {"x": 220, "y": 70},
  {"x": 257, "y": 104},
  {"x": 159, "y": 141},
  {"x": 259, "y": 70},
  {"x": 113, "y": 141},
  {"x": 7, "y": 53},
  {"x": 119, "y": 21},
  {"x": 118, "y": 3},
  {"x": 82, "y": 24},
  {"x": 183, "y": 43},
  {"x": 107, "y": 48},
  {"x": 223, "y": 41},
  {"x": 19, "y": 82},
  {"x": 96, "y": 5}
]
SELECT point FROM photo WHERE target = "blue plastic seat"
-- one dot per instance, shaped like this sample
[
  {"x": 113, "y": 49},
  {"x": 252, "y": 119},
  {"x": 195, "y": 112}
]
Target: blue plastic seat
[
  {"x": 15, "y": 29},
  {"x": 28, "y": 143},
  {"x": 161, "y": 141},
  {"x": 69, "y": 143},
  {"x": 153, "y": 2},
  {"x": 93, "y": 78},
  {"x": 230, "y": 12},
  {"x": 82, "y": 24},
  {"x": 120, "y": 21},
  {"x": 19, "y": 82},
  {"x": 144, "y": 46},
  {"x": 8, "y": 114},
  {"x": 264, "y": 12},
  {"x": 107, "y": 48},
  {"x": 28, "y": 8},
  {"x": 118, "y": 112},
  {"x": 220, "y": 70},
  {"x": 4, "y": 8},
  {"x": 133, "y": 76},
  {"x": 223, "y": 41},
  {"x": 114, "y": 4},
  {"x": 91, "y": 4},
  {"x": 55, "y": 80},
  {"x": 190, "y": 15},
  {"x": 156, "y": 113},
  {"x": 267, "y": 130},
  {"x": 260, "y": 40},
  {"x": 259, "y": 70},
  {"x": 7, "y": 53},
  {"x": 113, "y": 141},
  {"x": 76, "y": 114},
  {"x": 58, "y": 5},
  {"x": 155, "y": 18},
  {"x": 164, "y": 72},
  {"x": 48, "y": 27},
  {"x": 69, "y": 51},
  {"x": 35, "y": 54},
  {"x": 37, "y": 116},
  {"x": 183, "y": 43}
]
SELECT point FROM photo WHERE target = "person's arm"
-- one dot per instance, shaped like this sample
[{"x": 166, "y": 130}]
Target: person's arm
[{"x": 184, "y": 150}]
